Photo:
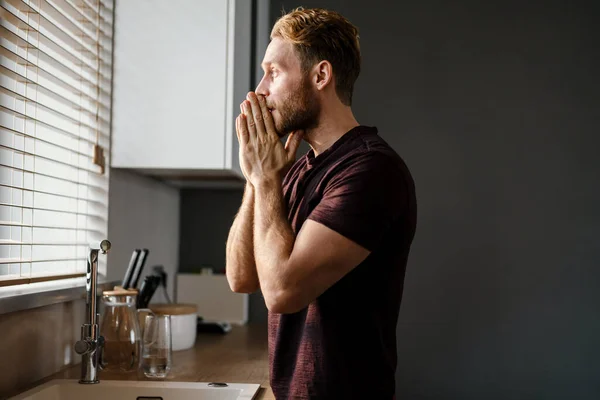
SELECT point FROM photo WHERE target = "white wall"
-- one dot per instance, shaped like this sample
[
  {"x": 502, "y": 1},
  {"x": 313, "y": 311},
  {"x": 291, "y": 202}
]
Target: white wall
[{"x": 143, "y": 213}]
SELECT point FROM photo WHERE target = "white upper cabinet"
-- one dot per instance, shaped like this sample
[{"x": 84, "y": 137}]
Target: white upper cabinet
[{"x": 181, "y": 68}]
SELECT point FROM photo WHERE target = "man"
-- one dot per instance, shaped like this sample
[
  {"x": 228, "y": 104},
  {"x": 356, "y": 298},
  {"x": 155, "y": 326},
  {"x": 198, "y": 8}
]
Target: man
[{"x": 326, "y": 238}]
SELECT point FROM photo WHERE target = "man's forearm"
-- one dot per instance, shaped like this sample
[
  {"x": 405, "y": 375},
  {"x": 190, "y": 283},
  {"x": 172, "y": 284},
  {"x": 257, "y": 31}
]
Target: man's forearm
[
  {"x": 240, "y": 264},
  {"x": 273, "y": 239}
]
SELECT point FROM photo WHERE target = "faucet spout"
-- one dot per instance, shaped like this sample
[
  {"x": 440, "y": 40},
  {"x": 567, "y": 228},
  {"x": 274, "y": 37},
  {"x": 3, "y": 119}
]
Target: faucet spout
[
  {"x": 91, "y": 343},
  {"x": 91, "y": 279}
]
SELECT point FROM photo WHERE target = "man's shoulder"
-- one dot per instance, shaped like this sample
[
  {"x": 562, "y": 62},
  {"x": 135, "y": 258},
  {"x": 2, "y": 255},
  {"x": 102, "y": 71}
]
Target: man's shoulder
[
  {"x": 373, "y": 154},
  {"x": 373, "y": 160}
]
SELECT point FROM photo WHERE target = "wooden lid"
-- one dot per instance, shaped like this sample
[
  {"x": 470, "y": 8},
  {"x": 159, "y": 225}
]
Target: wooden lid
[
  {"x": 118, "y": 291},
  {"x": 173, "y": 309}
]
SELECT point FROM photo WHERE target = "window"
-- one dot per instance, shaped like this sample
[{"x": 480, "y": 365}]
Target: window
[{"x": 54, "y": 136}]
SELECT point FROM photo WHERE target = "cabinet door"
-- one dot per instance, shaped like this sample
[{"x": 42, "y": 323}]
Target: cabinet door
[{"x": 170, "y": 84}]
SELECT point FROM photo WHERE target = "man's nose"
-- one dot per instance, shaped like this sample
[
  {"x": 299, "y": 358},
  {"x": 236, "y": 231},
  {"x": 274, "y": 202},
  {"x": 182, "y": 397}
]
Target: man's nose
[{"x": 262, "y": 88}]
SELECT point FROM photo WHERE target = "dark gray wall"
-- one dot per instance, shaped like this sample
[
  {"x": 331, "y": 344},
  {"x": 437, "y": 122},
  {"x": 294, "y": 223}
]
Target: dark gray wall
[
  {"x": 206, "y": 216},
  {"x": 494, "y": 107}
]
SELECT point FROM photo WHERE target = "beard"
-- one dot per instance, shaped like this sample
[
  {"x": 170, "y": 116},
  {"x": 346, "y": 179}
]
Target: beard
[{"x": 300, "y": 110}]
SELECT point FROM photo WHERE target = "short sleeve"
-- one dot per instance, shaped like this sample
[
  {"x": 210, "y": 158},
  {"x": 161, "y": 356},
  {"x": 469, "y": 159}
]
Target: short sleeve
[{"x": 363, "y": 199}]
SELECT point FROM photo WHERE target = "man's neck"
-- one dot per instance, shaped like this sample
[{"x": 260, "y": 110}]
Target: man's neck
[{"x": 331, "y": 127}]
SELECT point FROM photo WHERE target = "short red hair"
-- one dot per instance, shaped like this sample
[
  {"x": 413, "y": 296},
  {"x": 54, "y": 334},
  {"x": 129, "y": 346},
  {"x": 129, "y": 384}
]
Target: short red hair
[{"x": 318, "y": 35}]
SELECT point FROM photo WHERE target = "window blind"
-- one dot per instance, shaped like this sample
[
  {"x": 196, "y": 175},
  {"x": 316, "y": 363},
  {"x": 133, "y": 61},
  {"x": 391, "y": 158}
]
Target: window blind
[{"x": 55, "y": 66}]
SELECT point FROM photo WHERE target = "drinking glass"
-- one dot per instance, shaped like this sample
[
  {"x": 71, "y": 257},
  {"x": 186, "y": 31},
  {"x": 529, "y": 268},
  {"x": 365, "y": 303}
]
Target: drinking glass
[{"x": 156, "y": 346}]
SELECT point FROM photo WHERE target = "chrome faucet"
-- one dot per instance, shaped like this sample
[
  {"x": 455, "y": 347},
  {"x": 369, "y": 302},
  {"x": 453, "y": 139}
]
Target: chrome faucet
[{"x": 91, "y": 343}]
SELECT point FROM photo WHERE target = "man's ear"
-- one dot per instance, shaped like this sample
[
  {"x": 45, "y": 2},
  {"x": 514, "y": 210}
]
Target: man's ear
[{"x": 323, "y": 74}]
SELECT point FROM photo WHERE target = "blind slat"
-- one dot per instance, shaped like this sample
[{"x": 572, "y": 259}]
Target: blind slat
[
  {"x": 10, "y": 280},
  {"x": 30, "y": 46},
  {"x": 39, "y": 139},
  {"x": 100, "y": 218},
  {"x": 76, "y": 28},
  {"x": 5, "y": 243},
  {"x": 65, "y": 34},
  {"x": 68, "y": 52},
  {"x": 9, "y": 54},
  {"x": 78, "y": 13},
  {"x": 29, "y": 118},
  {"x": 105, "y": 14},
  {"x": 65, "y": 101},
  {"x": 51, "y": 193},
  {"x": 8, "y": 223},
  {"x": 95, "y": 216},
  {"x": 52, "y": 176},
  {"x": 73, "y": 167},
  {"x": 103, "y": 5},
  {"x": 22, "y": 261}
]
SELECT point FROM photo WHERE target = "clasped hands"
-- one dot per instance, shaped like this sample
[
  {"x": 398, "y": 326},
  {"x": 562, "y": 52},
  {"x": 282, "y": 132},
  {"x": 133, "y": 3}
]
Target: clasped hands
[{"x": 263, "y": 158}]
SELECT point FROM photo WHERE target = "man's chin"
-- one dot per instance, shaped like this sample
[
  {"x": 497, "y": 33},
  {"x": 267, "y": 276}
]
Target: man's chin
[
  {"x": 280, "y": 130},
  {"x": 281, "y": 134}
]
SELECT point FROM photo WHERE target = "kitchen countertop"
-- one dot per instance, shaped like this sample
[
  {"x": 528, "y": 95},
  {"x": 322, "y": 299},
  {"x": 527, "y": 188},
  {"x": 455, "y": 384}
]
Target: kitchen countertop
[{"x": 240, "y": 356}]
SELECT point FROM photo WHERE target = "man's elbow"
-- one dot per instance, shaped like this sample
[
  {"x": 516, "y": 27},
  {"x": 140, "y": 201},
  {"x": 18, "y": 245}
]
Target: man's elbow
[
  {"x": 282, "y": 302},
  {"x": 238, "y": 285},
  {"x": 243, "y": 288}
]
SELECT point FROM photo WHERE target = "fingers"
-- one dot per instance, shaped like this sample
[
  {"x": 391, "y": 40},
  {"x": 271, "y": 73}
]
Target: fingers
[
  {"x": 241, "y": 128},
  {"x": 267, "y": 117},
  {"x": 249, "y": 119},
  {"x": 260, "y": 121},
  {"x": 292, "y": 143},
  {"x": 257, "y": 114}
]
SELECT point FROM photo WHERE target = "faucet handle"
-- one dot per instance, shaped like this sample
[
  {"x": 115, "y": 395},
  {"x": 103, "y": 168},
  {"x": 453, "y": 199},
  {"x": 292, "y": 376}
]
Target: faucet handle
[
  {"x": 100, "y": 352},
  {"x": 84, "y": 346}
]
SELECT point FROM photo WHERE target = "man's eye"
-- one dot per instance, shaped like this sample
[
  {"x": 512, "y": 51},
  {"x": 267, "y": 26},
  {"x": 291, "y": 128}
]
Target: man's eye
[{"x": 273, "y": 73}]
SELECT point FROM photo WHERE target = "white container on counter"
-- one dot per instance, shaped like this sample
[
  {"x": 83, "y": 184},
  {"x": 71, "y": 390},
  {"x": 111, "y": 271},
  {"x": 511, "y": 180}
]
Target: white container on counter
[
  {"x": 184, "y": 323},
  {"x": 213, "y": 297}
]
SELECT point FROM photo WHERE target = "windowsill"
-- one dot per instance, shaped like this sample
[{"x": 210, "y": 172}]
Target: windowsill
[{"x": 32, "y": 295}]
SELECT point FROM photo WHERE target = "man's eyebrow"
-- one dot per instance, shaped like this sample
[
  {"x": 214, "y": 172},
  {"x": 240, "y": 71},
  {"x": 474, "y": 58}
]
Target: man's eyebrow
[{"x": 266, "y": 64}]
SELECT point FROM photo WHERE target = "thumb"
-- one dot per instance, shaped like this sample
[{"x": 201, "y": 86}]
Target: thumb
[{"x": 293, "y": 142}]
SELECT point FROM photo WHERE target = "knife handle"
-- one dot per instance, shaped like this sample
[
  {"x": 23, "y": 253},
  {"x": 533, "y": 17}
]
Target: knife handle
[
  {"x": 153, "y": 286},
  {"x": 147, "y": 289},
  {"x": 142, "y": 292},
  {"x": 130, "y": 268},
  {"x": 139, "y": 267}
]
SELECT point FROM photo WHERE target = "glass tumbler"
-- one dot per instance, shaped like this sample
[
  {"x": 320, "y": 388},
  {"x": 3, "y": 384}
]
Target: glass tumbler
[{"x": 156, "y": 346}]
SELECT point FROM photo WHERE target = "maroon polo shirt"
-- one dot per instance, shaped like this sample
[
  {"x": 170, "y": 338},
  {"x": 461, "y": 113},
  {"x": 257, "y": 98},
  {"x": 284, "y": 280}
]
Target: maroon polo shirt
[{"x": 343, "y": 345}]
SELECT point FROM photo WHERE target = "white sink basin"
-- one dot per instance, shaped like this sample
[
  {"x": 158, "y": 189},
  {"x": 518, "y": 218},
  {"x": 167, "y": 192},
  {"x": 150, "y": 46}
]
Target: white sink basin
[{"x": 66, "y": 389}]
